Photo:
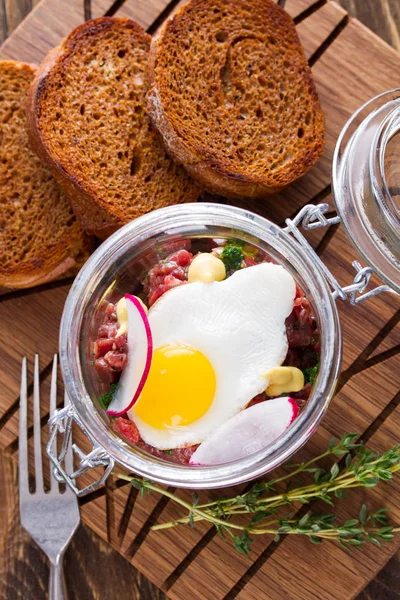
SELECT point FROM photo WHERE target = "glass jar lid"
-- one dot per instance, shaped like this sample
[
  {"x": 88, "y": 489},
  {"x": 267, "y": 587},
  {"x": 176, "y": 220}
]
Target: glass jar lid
[{"x": 366, "y": 184}]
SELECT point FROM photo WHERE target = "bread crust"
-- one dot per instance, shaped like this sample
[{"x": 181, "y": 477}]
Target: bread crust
[
  {"x": 30, "y": 278},
  {"x": 57, "y": 257},
  {"x": 215, "y": 173},
  {"x": 96, "y": 217}
]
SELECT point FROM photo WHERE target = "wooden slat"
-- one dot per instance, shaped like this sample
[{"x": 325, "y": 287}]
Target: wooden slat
[
  {"x": 27, "y": 324},
  {"x": 98, "y": 8},
  {"x": 201, "y": 569},
  {"x": 143, "y": 508},
  {"x": 381, "y": 16},
  {"x": 218, "y": 567},
  {"x": 9, "y": 432},
  {"x": 95, "y": 514},
  {"x": 3, "y": 22},
  {"x": 16, "y": 11},
  {"x": 314, "y": 31},
  {"x": 142, "y": 11},
  {"x": 42, "y": 30},
  {"x": 296, "y": 7},
  {"x": 8, "y": 502},
  {"x": 388, "y": 344},
  {"x": 343, "y": 86},
  {"x": 348, "y": 415},
  {"x": 154, "y": 558}
]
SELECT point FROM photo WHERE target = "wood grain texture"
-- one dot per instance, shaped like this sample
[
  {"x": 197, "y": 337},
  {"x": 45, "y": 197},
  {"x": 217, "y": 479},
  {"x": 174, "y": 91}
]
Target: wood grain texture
[
  {"x": 381, "y": 16},
  {"x": 194, "y": 564},
  {"x": 315, "y": 30},
  {"x": 16, "y": 11}
]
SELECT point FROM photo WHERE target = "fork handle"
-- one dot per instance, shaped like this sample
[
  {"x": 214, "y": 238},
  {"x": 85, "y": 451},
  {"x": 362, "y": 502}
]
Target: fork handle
[{"x": 57, "y": 587}]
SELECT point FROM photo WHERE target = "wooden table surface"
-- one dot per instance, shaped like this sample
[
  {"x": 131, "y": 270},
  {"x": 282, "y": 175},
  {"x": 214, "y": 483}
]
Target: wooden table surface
[{"x": 94, "y": 569}]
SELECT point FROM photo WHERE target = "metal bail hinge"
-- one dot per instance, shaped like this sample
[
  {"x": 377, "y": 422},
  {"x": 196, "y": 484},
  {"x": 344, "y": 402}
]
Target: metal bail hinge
[
  {"x": 61, "y": 423},
  {"x": 361, "y": 280},
  {"x": 313, "y": 216}
]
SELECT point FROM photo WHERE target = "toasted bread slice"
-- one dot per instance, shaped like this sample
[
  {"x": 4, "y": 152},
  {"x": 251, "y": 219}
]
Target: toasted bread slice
[
  {"x": 40, "y": 238},
  {"x": 232, "y": 94},
  {"x": 87, "y": 122}
]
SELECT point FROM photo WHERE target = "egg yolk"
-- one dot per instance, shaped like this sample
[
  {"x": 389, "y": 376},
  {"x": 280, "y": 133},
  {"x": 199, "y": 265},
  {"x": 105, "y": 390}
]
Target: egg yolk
[{"x": 179, "y": 389}]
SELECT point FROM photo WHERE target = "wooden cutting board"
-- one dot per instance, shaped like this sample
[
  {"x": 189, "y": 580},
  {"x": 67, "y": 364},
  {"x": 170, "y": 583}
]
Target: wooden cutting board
[{"x": 350, "y": 65}]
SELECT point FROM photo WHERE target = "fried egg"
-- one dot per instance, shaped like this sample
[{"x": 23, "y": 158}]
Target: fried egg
[{"x": 213, "y": 345}]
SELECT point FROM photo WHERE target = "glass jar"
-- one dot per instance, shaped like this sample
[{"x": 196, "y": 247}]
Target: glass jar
[{"x": 127, "y": 252}]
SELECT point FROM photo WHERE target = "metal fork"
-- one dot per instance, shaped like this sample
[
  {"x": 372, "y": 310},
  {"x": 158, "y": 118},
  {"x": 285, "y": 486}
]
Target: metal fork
[{"x": 51, "y": 518}]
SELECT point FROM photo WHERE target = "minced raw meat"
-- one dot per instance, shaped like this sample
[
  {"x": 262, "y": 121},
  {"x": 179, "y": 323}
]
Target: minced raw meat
[
  {"x": 110, "y": 349},
  {"x": 167, "y": 274}
]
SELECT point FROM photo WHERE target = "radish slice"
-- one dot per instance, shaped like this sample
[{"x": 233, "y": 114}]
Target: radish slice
[
  {"x": 140, "y": 352},
  {"x": 247, "y": 432}
]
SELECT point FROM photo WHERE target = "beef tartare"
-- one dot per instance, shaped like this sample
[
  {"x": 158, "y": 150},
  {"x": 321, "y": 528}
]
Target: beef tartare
[{"x": 290, "y": 374}]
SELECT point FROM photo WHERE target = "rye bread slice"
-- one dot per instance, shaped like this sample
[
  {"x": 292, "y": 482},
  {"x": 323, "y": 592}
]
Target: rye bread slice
[
  {"x": 40, "y": 238},
  {"x": 87, "y": 122},
  {"x": 232, "y": 94}
]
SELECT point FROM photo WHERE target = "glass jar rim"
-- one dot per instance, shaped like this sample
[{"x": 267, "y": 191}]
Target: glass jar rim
[
  {"x": 165, "y": 221},
  {"x": 389, "y": 127}
]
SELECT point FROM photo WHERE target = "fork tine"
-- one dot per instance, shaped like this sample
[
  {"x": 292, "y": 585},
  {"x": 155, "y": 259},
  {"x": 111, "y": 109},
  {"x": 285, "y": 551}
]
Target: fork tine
[
  {"x": 23, "y": 438},
  {"x": 69, "y": 457},
  {"x": 36, "y": 428},
  {"x": 53, "y": 405}
]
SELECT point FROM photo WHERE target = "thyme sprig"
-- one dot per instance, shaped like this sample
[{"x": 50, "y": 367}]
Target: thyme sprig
[{"x": 361, "y": 468}]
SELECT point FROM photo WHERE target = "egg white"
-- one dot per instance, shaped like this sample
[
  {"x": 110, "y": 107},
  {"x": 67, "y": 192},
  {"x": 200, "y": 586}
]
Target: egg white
[{"x": 239, "y": 325}]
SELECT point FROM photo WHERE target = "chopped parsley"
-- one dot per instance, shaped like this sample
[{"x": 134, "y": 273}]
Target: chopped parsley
[
  {"x": 168, "y": 451},
  {"x": 232, "y": 257},
  {"x": 311, "y": 374},
  {"x": 105, "y": 399}
]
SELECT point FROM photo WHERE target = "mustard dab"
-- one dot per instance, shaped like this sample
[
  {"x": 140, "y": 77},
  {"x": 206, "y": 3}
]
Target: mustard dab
[
  {"x": 122, "y": 314},
  {"x": 206, "y": 267},
  {"x": 283, "y": 380}
]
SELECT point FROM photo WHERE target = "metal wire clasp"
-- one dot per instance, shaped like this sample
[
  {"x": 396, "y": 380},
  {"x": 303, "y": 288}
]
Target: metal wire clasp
[
  {"x": 61, "y": 423},
  {"x": 313, "y": 216}
]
